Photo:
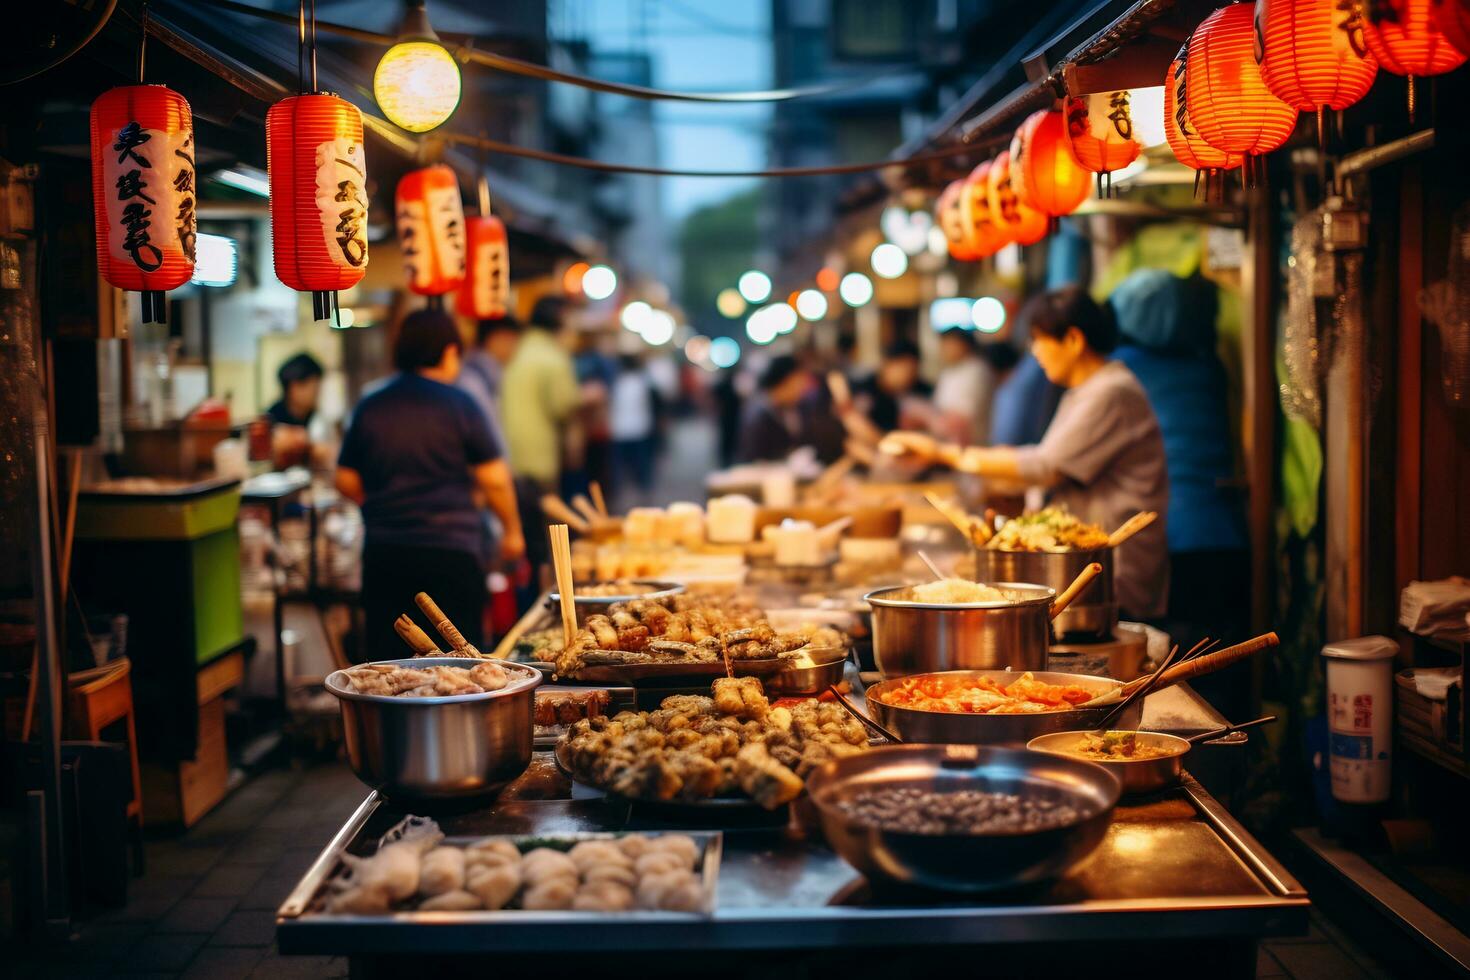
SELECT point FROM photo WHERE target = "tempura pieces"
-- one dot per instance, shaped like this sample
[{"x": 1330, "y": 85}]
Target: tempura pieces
[
  {"x": 694, "y": 748},
  {"x": 392, "y": 680},
  {"x": 983, "y": 696}
]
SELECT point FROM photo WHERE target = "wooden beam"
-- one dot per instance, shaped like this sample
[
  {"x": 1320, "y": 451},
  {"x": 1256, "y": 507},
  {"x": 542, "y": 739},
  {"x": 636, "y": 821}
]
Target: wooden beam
[
  {"x": 1258, "y": 351},
  {"x": 1143, "y": 66}
]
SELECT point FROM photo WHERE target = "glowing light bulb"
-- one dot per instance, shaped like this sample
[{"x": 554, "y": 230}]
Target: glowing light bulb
[
  {"x": 755, "y": 286},
  {"x": 988, "y": 314},
  {"x": 855, "y": 289},
  {"x": 889, "y": 261},
  {"x": 599, "y": 282},
  {"x": 730, "y": 303},
  {"x": 811, "y": 304},
  {"x": 417, "y": 85},
  {"x": 724, "y": 352}
]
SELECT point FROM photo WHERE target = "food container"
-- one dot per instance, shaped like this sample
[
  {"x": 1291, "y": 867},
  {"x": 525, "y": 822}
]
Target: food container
[
  {"x": 816, "y": 670},
  {"x": 923, "y": 637},
  {"x": 435, "y": 749},
  {"x": 591, "y": 605},
  {"x": 1134, "y": 775},
  {"x": 1092, "y": 616},
  {"x": 939, "y": 727},
  {"x": 963, "y": 862},
  {"x": 1360, "y": 717}
]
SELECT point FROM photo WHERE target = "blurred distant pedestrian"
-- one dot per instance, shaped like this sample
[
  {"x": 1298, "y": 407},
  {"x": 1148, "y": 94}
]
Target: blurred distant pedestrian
[{"x": 539, "y": 397}]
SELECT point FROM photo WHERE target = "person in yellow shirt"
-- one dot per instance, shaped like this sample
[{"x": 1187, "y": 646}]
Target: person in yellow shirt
[{"x": 539, "y": 396}]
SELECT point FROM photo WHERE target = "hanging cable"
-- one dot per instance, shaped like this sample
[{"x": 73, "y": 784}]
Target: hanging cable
[{"x": 464, "y": 50}]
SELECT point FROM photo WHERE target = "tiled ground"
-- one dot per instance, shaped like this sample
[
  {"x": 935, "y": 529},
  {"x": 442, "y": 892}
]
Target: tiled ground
[{"x": 206, "y": 906}]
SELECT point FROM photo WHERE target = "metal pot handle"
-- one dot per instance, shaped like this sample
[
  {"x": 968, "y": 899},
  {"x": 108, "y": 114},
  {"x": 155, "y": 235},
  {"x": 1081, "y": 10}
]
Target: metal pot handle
[{"x": 1079, "y": 585}]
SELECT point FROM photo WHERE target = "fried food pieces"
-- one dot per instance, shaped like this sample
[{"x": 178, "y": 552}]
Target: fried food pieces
[
  {"x": 983, "y": 696},
  {"x": 695, "y": 747}
]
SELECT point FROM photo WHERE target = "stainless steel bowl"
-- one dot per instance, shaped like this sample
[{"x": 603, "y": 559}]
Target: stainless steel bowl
[
  {"x": 1135, "y": 775},
  {"x": 591, "y": 605},
  {"x": 922, "y": 637},
  {"x": 963, "y": 862},
  {"x": 1095, "y": 612},
  {"x": 828, "y": 664},
  {"x": 939, "y": 727},
  {"x": 468, "y": 745}
]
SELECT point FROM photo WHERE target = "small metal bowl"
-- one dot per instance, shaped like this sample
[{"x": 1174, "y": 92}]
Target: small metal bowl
[
  {"x": 963, "y": 862},
  {"x": 785, "y": 679},
  {"x": 1135, "y": 775},
  {"x": 450, "y": 748},
  {"x": 591, "y": 605}
]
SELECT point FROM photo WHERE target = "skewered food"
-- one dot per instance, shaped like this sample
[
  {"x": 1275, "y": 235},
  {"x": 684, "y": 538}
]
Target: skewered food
[
  {"x": 555, "y": 708},
  {"x": 908, "y": 809},
  {"x": 604, "y": 875},
  {"x": 957, "y": 590},
  {"x": 1048, "y": 529},
  {"x": 694, "y": 748},
  {"x": 395, "y": 680},
  {"x": 983, "y": 696}
]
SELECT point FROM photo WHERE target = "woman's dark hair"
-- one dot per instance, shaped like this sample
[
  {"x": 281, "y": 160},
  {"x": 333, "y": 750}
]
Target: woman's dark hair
[
  {"x": 301, "y": 367},
  {"x": 423, "y": 338},
  {"x": 778, "y": 370},
  {"x": 964, "y": 336},
  {"x": 1000, "y": 355},
  {"x": 1052, "y": 313},
  {"x": 486, "y": 329},
  {"x": 549, "y": 313},
  {"x": 901, "y": 349}
]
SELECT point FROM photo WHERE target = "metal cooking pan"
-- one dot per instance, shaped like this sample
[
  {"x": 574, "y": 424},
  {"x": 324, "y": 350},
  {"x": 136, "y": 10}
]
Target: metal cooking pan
[{"x": 940, "y": 727}]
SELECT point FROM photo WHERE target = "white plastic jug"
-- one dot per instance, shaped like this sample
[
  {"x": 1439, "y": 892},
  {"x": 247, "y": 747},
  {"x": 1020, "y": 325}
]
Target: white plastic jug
[{"x": 1360, "y": 717}]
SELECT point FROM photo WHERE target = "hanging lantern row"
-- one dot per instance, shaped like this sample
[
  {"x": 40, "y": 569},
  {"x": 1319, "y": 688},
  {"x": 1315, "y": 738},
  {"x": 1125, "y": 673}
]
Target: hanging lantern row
[{"x": 484, "y": 294}]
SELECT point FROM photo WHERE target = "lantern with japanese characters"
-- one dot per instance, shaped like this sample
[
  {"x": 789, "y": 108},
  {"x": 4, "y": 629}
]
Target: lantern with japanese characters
[
  {"x": 1208, "y": 163},
  {"x": 318, "y": 180},
  {"x": 1312, "y": 54},
  {"x": 431, "y": 233},
  {"x": 1100, "y": 133},
  {"x": 1020, "y": 222},
  {"x": 1225, "y": 93},
  {"x": 1406, "y": 38},
  {"x": 484, "y": 294},
  {"x": 1043, "y": 171},
  {"x": 143, "y": 191},
  {"x": 982, "y": 232},
  {"x": 949, "y": 212}
]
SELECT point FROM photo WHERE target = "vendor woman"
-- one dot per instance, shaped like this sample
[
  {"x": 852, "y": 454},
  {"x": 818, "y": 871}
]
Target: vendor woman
[{"x": 1102, "y": 457}]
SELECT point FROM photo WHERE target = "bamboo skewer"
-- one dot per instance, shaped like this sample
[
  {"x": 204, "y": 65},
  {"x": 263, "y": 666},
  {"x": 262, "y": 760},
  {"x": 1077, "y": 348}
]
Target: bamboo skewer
[
  {"x": 557, "y": 509},
  {"x": 1131, "y": 527},
  {"x": 1079, "y": 584},
  {"x": 933, "y": 568},
  {"x": 973, "y": 528},
  {"x": 585, "y": 508},
  {"x": 418, "y": 641},
  {"x": 446, "y": 629},
  {"x": 561, "y": 560},
  {"x": 598, "y": 500}
]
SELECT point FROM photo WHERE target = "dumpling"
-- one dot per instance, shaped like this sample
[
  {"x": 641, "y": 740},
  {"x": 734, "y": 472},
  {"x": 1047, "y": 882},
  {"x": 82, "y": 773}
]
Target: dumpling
[
  {"x": 684, "y": 895},
  {"x": 603, "y": 896},
  {"x": 556, "y": 892},
  {"x": 492, "y": 850},
  {"x": 618, "y": 874},
  {"x": 655, "y": 889},
  {"x": 494, "y": 885},
  {"x": 659, "y": 862},
  {"x": 543, "y": 863},
  {"x": 442, "y": 871},
  {"x": 489, "y": 675},
  {"x": 589, "y": 853},
  {"x": 394, "y": 869},
  {"x": 680, "y": 844},
  {"x": 634, "y": 845},
  {"x": 362, "y": 900},
  {"x": 453, "y": 901}
]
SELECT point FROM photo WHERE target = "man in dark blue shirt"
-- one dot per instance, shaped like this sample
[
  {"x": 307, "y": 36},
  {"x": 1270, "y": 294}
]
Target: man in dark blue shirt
[{"x": 419, "y": 459}]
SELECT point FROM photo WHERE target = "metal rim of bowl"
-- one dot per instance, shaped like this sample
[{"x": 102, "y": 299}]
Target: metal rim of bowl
[
  {"x": 1182, "y": 749},
  {"x": 1045, "y": 594},
  {"x": 925, "y": 711},
  {"x": 1063, "y": 551},
  {"x": 530, "y": 678},
  {"x": 825, "y": 788},
  {"x": 664, "y": 590}
]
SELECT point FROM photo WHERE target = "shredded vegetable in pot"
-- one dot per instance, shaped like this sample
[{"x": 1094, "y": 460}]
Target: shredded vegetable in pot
[{"x": 1049, "y": 529}]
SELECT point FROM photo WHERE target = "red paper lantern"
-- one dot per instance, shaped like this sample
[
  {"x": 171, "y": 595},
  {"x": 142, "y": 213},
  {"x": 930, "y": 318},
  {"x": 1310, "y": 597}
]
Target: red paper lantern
[
  {"x": 431, "y": 231},
  {"x": 1225, "y": 93},
  {"x": 949, "y": 212},
  {"x": 1043, "y": 171},
  {"x": 983, "y": 233},
  {"x": 318, "y": 178},
  {"x": 1453, "y": 18},
  {"x": 1100, "y": 131},
  {"x": 1405, "y": 37},
  {"x": 485, "y": 292},
  {"x": 143, "y": 191},
  {"x": 1020, "y": 222},
  {"x": 1189, "y": 149},
  {"x": 1312, "y": 54}
]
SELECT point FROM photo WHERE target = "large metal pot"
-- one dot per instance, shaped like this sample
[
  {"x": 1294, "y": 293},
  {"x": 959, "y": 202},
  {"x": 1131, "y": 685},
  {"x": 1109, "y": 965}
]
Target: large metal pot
[
  {"x": 425, "y": 749},
  {"x": 922, "y": 637},
  {"x": 963, "y": 862},
  {"x": 940, "y": 727},
  {"x": 1092, "y": 616}
]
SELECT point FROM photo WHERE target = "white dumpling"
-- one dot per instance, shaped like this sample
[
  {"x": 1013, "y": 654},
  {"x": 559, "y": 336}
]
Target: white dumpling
[
  {"x": 394, "y": 869},
  {"x": 633, "y": 845},
  {"x": 556, "y": 892},
  {"x": 603, "y": 896},
  {"x": 686, "y": 895},
  {"x": 362, "y": 900},
  {"x": 594, "y": 852},
  {"x": 659, "y": 862},
  {"x": 616, "y": 873},
  {"x": 681, "y": 844},
  {"x": 452, "y": 901},
  {"x": 667, "y": 890},
  {"x": 543, "y": 864},
  {"x": 494, "y": 885},
  {"x": 442, "y": 871},
  {"x": 492, "y": 850}
]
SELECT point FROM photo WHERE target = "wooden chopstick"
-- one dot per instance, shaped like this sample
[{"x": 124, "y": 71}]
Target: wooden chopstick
[
  {"x": 446, "y": 629},
  {"x": 1131, "y": 527},
  {"x": 417, "y": 640},
  {"x": 585, "y": 508},
  {"x": 1208, "y": 663},
  {"x": 556, "y": 508},
  {"x": 598, "y": 500},
  {"x": 561, "y": 560}
]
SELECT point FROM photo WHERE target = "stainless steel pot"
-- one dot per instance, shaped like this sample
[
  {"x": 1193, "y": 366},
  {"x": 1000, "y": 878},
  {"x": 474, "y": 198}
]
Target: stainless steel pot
[
  {"x": 922, "y": 637},
  {"x": 939, "y": 727},
  {"x": 963, "y": 862},
  {"x": 468, "y": 745},
  {"x": 1092, "y": 616}
]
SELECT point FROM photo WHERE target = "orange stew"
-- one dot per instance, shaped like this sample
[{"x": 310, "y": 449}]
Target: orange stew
[{"x": 983, "y": 696}]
